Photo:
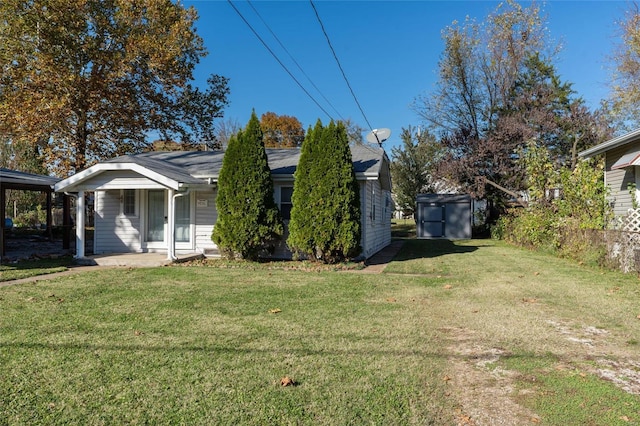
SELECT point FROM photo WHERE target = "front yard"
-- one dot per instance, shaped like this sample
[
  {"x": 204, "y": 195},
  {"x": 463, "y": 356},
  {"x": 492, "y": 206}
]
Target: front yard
[{"x": 471, "y": 332}]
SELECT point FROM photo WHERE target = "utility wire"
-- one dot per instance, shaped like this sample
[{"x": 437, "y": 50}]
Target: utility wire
[
  {"x": 277, "y": 59},
  {"x": 294, "y": 61},
  {"x": 340, "y": 66}
]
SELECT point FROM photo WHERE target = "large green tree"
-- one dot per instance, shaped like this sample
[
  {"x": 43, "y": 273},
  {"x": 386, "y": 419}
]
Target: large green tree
[
  {"x": 325, "y": 217},
  {"x": 85, "y": 80},
  {"x": 413, "y": 167},
  {"x": 249, "y": 222}
]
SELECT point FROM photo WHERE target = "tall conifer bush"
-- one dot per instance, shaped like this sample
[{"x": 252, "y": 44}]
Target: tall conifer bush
[
  {"x": 249, "y": 222},
  {"x": 325, "y": 217}
]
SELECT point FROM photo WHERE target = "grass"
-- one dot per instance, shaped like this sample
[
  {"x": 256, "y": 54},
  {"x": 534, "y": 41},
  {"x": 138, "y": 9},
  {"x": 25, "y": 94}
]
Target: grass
[
  {"x": 198, "y": 345},
  {"x": 31, "y": 268}
]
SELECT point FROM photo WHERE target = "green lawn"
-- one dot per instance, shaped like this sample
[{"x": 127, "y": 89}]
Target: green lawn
[{"x": 201, "y": 345}]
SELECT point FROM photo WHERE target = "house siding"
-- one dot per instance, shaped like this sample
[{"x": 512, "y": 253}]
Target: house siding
[
  {"x": 618, "y": 180},
  {"x": 114, "y": 232},
  {"x": 120, "y": 179},
  {"x": 376, "y": 217},
  {"x": 206, "y": 217}
]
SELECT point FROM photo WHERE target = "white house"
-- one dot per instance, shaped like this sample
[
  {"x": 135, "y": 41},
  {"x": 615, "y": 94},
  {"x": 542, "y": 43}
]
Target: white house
[{"x": 166, "y": 201}]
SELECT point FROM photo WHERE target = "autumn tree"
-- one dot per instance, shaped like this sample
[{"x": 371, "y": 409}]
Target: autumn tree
[
  {"x": 92, "y": 79},
  {"x": 479, "y": 65},
  {"x": 249, "y": 223},
  {"x": 413, "y": 167},
  {"x": 281, "y": 131},
  {"x": 623, "y": 105}
]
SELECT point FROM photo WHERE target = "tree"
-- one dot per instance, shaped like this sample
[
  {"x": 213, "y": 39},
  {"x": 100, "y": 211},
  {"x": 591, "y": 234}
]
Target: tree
[
  {"x": 93, "y": 78},
  {"x": 281, "y": 131},
  {"x": 249, "y": 223},
  {"x": 325, "y": 217},
  {"x": 479, "y": 66},
  {"x": 225, "y": 129},
  {"x": 354, "y": 131},
  {"x": 624, "y": 103},
  {"x": 413, "y": 168}
]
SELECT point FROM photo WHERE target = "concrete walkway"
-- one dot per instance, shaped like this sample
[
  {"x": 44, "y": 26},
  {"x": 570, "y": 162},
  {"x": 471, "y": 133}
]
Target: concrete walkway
[{"x": 376, "y": 263}]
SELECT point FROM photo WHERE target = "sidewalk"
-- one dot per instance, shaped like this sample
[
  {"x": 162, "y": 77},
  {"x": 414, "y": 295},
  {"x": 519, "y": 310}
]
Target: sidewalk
[{"x": 376, "y": 263}]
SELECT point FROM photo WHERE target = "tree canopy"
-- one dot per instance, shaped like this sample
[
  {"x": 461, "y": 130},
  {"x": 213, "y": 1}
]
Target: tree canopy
[
  {"x": 85, "y": 80},
  {"x": 413, "y": 167},
  {"x": 281, "y": 131}
]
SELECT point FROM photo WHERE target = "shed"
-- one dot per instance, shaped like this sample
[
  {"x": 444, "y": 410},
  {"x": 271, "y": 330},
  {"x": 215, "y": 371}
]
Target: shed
[{"x": 443, "y": 216}]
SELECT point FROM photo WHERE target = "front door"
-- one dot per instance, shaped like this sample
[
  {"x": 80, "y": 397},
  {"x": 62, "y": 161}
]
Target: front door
[{"x": 156, "y": 217}]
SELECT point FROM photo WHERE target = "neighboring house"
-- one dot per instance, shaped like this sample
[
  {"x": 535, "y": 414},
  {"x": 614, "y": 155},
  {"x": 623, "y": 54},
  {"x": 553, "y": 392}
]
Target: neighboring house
[
  {"x": 622, "y": 169},
  {"x": 139, "y": 198}
]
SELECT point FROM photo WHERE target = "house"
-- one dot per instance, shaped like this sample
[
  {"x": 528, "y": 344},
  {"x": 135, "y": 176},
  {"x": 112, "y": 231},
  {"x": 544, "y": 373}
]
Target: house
[
  {"x": 622, "y": 169},
  {"x": 166, "y": 201}
]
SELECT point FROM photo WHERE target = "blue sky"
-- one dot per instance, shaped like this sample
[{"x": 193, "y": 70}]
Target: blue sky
[{"x": 389, "y": 51}]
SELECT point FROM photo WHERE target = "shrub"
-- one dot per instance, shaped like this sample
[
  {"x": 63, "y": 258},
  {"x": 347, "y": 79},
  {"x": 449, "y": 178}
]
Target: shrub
[
  {"x": 249, "y": 222},
  {"x": 325, "y": 217}
]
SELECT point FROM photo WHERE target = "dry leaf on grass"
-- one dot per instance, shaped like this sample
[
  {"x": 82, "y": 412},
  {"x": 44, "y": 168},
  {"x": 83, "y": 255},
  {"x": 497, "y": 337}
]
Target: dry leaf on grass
[
  {"x": 287, "y": 381},
  {"x": 391, "y": 299},
  {"x": 448, "y": 287},
  {"x": 275, "y": 311}
]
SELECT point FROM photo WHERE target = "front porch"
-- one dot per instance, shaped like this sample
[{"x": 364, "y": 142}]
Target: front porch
[{"x": 136, "y": 260}]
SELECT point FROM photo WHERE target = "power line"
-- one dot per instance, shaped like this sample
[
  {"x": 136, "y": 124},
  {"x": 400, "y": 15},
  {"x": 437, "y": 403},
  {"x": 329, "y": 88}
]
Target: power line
[
  {"x": 340, "y": 66},
  {"x": 293, "y": 59},
  {"x": 277, "y": 59}
]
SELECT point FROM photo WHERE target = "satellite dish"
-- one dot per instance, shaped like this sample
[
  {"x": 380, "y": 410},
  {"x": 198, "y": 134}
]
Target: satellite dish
[{"x": 378, "y": 136}]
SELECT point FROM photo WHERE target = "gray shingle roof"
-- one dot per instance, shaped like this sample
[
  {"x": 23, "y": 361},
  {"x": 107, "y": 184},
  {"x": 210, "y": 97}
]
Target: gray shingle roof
[
  {"x": 194, "y": 166},
  {"x": 15, "y": 178}
]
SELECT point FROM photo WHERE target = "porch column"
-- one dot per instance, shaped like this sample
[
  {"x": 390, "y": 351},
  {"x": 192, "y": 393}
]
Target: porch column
[
  {"x": 80, "y": 225},
  {"x": 171, "y": 224},
  {"x": 3, "y": 237}
]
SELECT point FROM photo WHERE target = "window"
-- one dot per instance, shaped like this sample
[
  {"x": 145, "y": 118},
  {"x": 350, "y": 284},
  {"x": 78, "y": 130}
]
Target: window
[
  {"x": 128, "y": 202},
  {"x": 285, "y": 201}
]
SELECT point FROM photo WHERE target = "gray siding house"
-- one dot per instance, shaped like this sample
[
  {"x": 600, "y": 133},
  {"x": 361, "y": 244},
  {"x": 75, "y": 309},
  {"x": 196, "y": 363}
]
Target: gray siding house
[
  {"x": 622, "y": 168},
  {"x": 166, "y": 201}
]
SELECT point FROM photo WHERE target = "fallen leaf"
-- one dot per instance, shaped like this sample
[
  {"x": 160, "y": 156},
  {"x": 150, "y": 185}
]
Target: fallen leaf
[
  {"x": 536, "y": 273},
  {"x": 535, "y": 420},
  {"x": 446, "y": 378},
  {"x": 625, "y": 418},
  {"x": 275, "y": 311},
  {"x": 138, "y": 332},
  {"x": 448, "y": 287},
  {"x": 391, "y": 299},
  {"x": 287, "y": 381}
]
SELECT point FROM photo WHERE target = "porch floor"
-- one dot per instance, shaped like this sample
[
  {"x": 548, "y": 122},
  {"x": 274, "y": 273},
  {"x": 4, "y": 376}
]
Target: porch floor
[{"x": 135, "y": 259}]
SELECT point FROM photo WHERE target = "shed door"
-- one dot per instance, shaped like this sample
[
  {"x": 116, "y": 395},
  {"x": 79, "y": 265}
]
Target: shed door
[
  {"x": 458, "y": 218},
  {"x": 432, "y": 219}
]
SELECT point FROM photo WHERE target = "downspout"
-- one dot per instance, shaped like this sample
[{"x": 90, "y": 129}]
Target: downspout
[
  {"x": 171, "y": 249},
  {"x": 79, "y": 223}
]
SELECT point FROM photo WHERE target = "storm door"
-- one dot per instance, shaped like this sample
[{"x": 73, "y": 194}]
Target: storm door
[{"x": 156, "y": 215}]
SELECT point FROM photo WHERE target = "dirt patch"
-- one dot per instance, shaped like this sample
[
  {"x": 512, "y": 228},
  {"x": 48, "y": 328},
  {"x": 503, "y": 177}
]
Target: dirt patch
[
  {"x": 482, "y": 392},
  {"x": 623, "y": 373}
]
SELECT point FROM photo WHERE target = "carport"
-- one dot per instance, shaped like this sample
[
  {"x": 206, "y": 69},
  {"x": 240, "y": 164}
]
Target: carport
[{"x": 21, "y": 181}]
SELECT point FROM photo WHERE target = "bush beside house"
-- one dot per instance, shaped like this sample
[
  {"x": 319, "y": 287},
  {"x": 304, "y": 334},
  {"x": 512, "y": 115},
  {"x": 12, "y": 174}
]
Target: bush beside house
[{"x": 249, "y": 222}]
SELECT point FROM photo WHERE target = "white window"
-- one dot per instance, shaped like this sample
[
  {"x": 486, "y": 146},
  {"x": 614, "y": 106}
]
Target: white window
[{"x": 128, "y": 202}]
